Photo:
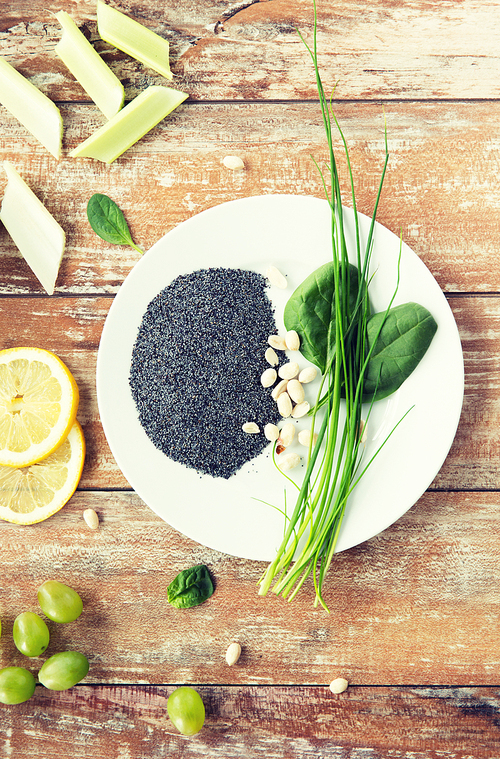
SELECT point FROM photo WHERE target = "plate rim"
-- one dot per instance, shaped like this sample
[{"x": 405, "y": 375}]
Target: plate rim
[{"x": 178, "y": 230}]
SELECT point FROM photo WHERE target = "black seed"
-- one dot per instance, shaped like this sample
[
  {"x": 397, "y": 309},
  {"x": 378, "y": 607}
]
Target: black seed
[{"x": 196, "y": 367}]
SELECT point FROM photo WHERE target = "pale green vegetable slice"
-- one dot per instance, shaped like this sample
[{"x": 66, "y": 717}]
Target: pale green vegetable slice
[
  {"x": 31, "y": 107},
  {"x": 88, "y": 68},
  {"x": 133, "y": 38},
  {"x": 130, "y": 124},
  {"x": 36, "y": 233}
]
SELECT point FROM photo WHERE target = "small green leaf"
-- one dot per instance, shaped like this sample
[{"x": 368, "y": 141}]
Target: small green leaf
[
  {"x": 191, "y": 587},
  {"x": 108, "y": 222},
  {"x": 404, "y": 338}
]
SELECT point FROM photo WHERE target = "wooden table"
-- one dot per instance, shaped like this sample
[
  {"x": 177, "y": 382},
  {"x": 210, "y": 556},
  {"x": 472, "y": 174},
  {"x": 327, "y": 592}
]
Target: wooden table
[{"x": 414, "y": 612}]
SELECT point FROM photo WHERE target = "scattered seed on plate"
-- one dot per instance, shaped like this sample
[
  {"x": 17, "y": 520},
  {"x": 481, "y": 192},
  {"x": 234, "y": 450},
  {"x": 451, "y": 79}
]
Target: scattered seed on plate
[
  {"x": 268, "y": 377},
  {"x": 277, "y": 341},
  {"x": 295, "y": 391},
  {"x": 271, "y": 432},
  {"x": 250, "y": 428},
  {"x": 308, "y": 374},
  {"x": 271, "y": 357},
  {"x": 280, "y": 388},
  {"x": 91, "y": 518},
  {"x": 233, "y": 653},
  {"x": 276, "y": 278},
  {"x": 287, "y": 434},
  {"x": 290, "y": 461},
  {"x": 289, "y": 371},
  {"x": 292, "y": 340},
  {"x": 196, "y": 366},
  {"x": 233, "y": 162},
  {"x": 284, "y": 405},
  {"x": 301, "y": 409},
  {"x": 305, "y": 437},
  {"x": 339, "y": 685}
]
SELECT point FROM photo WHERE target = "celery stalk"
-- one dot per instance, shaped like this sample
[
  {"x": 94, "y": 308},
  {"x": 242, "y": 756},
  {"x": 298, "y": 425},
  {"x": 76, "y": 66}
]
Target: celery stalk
[
  {"x": 35, "y": 232},
  {"x": 88, "y": 68},
  {"x": 133, "y": 38},
  {"x": 130, "y": 124},
  {"x": 31, "y": 107}
]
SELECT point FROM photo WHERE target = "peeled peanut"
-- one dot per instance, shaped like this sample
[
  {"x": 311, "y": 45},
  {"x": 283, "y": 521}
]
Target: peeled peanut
[
  {"x": 287, "y": 433},
  {"x": 271, "y": 357},
  {"x": 91, "y": 518},
  {"x": 295, "y": 391},
  {"x": 233, "y": 653},
  {"x": 308, "y": 374},
  {"x": 290, "y": 461},
  {"x": 339, "y": 685},
  {"x": 268, "y": 377},
  {"x": 292, "y": 340},
  {"x": 301, "y": 409},
  {"x": 288, "y": 371},
  {"x": 271, "y": 432},
  {"x": 250, "y": 428},
  {"x": 284, "y": 405}
]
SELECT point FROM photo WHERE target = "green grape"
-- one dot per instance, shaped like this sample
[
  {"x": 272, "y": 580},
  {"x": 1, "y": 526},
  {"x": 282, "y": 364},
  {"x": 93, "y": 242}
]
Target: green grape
[
  {"x": 59, "y": 602},
  {"x": 186, "y": 710},
  {"x": 63, "y": 670},
  {"x": 16, "y": 685},
  {"x": 31, "y": 634}
]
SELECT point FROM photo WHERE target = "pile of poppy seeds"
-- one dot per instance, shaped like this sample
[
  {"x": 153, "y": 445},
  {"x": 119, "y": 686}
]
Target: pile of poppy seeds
[{"x": 196, "y": 367}]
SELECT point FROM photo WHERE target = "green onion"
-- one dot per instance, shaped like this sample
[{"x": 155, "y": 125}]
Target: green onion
[{"x": 334, "y": 463}]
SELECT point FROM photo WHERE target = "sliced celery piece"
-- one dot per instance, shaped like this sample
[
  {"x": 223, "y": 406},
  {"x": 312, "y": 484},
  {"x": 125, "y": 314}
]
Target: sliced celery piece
[
  {"x": 31, "y": 107},
  {"x": 133, "y": 38},
  {"x": 130, "y": 124},
  {"x": 35, "y": 232},
  {"x": 88, "y": 68}
]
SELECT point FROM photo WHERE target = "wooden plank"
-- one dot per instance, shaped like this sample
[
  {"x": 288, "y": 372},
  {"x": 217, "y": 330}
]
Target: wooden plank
[
  {"x": 440, "y": 189},
  {"x": 417, "y": 605},
  {"x": 250, "y": 50},
  {"x": 250, "y": 722},
  {"x": 71, "y": 327}
]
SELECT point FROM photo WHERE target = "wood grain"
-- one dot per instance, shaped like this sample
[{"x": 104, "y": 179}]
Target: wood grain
[
  {"x": 252, "y": 721},
  {"x": 72, "y": 327},
  {"x": 414, "y": 611},
  {"x": 417, "y": 605},
  {"x": 250, "y": 50},
  {"x": 440, "y": 190}
]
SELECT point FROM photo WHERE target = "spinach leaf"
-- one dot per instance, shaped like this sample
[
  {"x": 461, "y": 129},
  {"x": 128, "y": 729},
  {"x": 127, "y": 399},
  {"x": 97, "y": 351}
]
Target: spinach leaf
[
  {"x": 108, "y": 222},
  {"x": 402, "y": 343},
  {"x": 191, "y": 587},
  {"x": 310, "y": 311}
]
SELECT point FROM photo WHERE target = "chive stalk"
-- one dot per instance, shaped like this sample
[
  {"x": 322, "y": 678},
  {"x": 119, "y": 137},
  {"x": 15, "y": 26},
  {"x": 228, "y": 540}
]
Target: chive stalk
[{"x": 312, "y": 530}]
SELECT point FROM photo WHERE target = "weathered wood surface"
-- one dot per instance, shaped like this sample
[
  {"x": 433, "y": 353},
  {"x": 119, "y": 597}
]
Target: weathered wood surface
[
  {"x": 251, "y": 722},
  {"x": 72, "y": 328},
  {"x": 440, "y": 189},
  {"x": 250, "y": 50},
  {"x": 416, "y": 605},
  {"x": 414, "y": 611}
]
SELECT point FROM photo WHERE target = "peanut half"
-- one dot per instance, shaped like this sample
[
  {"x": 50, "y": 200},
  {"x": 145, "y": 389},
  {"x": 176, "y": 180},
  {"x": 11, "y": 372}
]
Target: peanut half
[{"x": 233, "y": 653}]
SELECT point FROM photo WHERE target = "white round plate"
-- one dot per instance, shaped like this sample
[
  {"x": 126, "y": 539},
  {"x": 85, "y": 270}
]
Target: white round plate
[{"x": 235, "y": 515}]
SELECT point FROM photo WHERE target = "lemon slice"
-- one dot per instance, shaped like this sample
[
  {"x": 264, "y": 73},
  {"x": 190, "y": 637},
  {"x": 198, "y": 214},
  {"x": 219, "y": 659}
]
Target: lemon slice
[
  {"x": 38, "y": 405},
  {"x": 31, "y": 494}
]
